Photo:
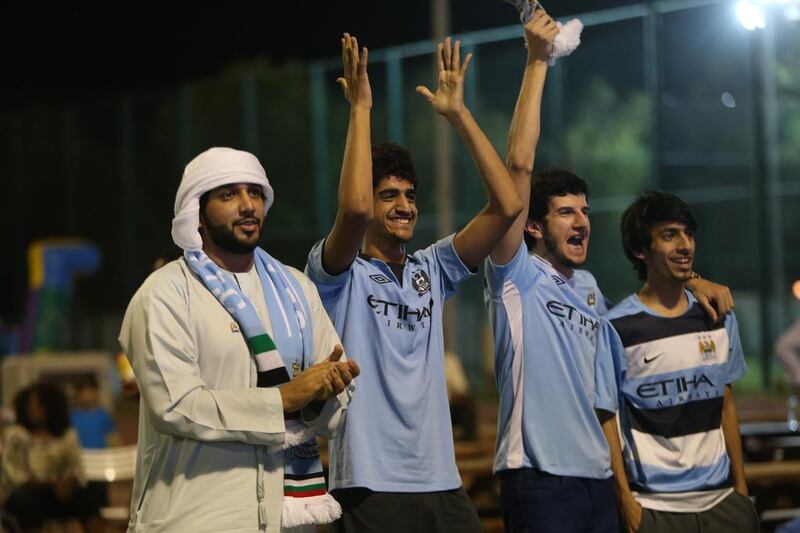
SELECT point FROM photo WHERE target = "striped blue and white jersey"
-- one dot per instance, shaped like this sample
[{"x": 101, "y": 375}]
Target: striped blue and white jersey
[
  {"x": 552, "y": 367},
  {"x": 671, "y": 376}
]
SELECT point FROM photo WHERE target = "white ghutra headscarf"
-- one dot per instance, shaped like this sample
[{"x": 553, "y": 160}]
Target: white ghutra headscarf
[{"x": 207, "y": 171}]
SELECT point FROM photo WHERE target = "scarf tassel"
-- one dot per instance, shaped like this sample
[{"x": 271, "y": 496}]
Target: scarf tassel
[{"x": 321, "y": 509}]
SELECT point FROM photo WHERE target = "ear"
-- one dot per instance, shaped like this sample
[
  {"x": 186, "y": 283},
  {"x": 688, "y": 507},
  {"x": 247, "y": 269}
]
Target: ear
[{"x": 534, "y": 228}]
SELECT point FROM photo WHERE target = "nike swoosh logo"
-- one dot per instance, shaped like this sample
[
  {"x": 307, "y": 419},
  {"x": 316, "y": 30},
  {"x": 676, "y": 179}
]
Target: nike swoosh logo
[{"x": 646, "y": 360}]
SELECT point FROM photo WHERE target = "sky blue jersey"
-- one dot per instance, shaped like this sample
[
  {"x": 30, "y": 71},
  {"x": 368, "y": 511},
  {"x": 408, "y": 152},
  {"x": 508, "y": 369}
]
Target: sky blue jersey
[
  {"x": 553, "y": 368},
  {"x": 396, "y": 435}
]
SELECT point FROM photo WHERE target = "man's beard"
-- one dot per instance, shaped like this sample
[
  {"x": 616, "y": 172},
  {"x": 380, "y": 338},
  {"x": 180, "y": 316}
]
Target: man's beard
[
  {"x": 552, "y": 247},
  {"x": 226, "y": 239}
]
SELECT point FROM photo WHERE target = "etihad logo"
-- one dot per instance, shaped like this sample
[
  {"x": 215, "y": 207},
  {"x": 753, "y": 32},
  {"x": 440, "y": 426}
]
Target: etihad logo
[
  {"x": 678, "y": 390},
  {"x": 573, "y": 320},
  {"x": 401, "y": 316}
]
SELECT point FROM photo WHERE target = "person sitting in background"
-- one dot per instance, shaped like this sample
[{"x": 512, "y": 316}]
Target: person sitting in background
[
  {"x": 787, "y": 351},
  {"x": 95, "y": 429},
  {"x": 94, "y": 425},
  {"x": 42, "y": 472}
]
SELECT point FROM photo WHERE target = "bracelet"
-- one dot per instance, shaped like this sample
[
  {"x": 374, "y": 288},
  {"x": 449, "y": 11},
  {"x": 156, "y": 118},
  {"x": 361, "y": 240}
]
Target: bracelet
[{"x": 695, "y": 275}]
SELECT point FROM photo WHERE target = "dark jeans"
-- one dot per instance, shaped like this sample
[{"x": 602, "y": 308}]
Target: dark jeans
[
  {"x": 365, "y": 511},
  {"x": 535, "y": 501}
]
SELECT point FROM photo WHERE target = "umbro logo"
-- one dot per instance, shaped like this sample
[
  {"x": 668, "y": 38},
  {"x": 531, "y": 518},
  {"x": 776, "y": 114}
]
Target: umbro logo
[
  {"x": 380, "y": 278},
  {"x": 558, "y": 280},
  {"x": 648, "y": 360}
]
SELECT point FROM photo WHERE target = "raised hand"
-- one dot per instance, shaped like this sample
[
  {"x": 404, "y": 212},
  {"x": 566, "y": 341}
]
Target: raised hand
[
  {"x": 539, "y": 34},
  {"x": 354, "y": 80},
  {"x": 449, "y": 98}
]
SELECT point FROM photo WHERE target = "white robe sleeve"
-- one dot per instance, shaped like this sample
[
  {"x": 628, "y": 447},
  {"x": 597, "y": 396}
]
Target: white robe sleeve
[{"x": 156, "y": 335}]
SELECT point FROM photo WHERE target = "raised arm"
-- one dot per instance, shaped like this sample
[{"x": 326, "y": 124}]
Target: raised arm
[
  {"x": 481, "y": 234},
  {"x": 523, "y": 135},
  {"x": 355, "y": 182}
]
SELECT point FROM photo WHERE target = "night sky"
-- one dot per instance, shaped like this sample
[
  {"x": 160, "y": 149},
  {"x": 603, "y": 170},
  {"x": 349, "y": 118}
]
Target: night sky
[{"x": 76, "y": 52}]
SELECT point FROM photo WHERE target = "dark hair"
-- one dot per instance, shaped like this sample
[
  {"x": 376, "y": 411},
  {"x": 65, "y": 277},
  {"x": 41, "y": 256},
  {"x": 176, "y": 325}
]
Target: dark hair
[
  {"x": 86, "y": 381},
  {"x": 391, "y": 159},
  {"x": 52, "y": 400},
  {"x": 545, "y": 185},
  {"x": 638, "y": 221}
]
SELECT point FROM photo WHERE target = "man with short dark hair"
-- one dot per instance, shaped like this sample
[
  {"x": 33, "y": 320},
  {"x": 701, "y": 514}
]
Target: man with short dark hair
[
  {"x": 393, "y": 466},
  {"x": 231, "y": 352},
  {"x": 681, "y": 466}
]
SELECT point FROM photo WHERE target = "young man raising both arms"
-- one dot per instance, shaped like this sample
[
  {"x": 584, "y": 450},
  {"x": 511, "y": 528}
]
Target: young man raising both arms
[
  {"x": 228, "y": 346},
  {"x": 552, "y": 368},
  {"x": 393, "y": 465},
  {"x": 681, "y": 469}
]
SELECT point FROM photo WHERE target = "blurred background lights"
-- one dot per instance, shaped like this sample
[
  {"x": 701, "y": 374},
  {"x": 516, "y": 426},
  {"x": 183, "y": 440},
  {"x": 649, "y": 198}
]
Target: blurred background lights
[
  {"x": 750, "y": 14},
  {"x": 728, "y": 100}
]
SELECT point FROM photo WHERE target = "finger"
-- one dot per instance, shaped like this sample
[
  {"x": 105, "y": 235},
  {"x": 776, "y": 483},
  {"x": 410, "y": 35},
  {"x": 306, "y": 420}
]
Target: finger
[
  {"x": 466, "y": 64},
  {"x": 344, "y": 55},
  {"x": 706, "y": 305},
  {"x": 354, "y": 49},
  {"x": 336, "y": 381},
  {"x": 448, "y": 54},
  {"x": 456, "y": 66},
  {"x": 336, "y": 354},
  {"x": 440, "y": 56},
  {"x": 424, "y": 91},
  {"x": 344, "y": 372},
  {"x": 342, "y": 82},
  {"x": 326, "y": 391},
  {"x": 355, "y": 370},
  {"x": 362, "y": 66}
]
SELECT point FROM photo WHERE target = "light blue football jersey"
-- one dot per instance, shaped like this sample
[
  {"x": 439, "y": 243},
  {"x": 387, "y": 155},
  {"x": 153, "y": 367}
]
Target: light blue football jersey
[
  {"x": 552, "y": 366},
  {"x": 397, "y": 434}
]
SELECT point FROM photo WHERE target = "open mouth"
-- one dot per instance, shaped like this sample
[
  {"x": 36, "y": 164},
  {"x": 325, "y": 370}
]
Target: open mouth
[{"x": 576, "y": 241}]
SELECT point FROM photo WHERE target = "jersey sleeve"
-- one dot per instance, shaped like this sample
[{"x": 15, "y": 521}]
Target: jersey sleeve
[
  {"x": 451, "y": 268},
  {"x": 606, "y": 396},
  {"x": 518, "y": 271},
  {"x": 736, "y": 367},
  {"x": 328, "y": 286}
]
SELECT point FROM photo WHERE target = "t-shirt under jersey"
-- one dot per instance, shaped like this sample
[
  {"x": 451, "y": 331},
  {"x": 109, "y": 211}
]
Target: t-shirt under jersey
[
  {"x": 552, "y": 368},
  {"x": 672, "y": 374},
  {"x": 397, "y": 434}
]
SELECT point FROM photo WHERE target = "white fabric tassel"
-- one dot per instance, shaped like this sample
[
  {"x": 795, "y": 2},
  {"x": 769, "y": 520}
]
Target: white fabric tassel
[
  {"x": 306, "y": 511},
  {"x": 296, "y": 434}
]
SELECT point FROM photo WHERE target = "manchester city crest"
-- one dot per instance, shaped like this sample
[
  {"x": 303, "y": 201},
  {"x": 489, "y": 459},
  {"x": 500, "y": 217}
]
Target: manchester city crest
[
  {"x": 707, "y": 348},
  {"x": 592, "y": 299},
  {"x": 420, "y": 282}
]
